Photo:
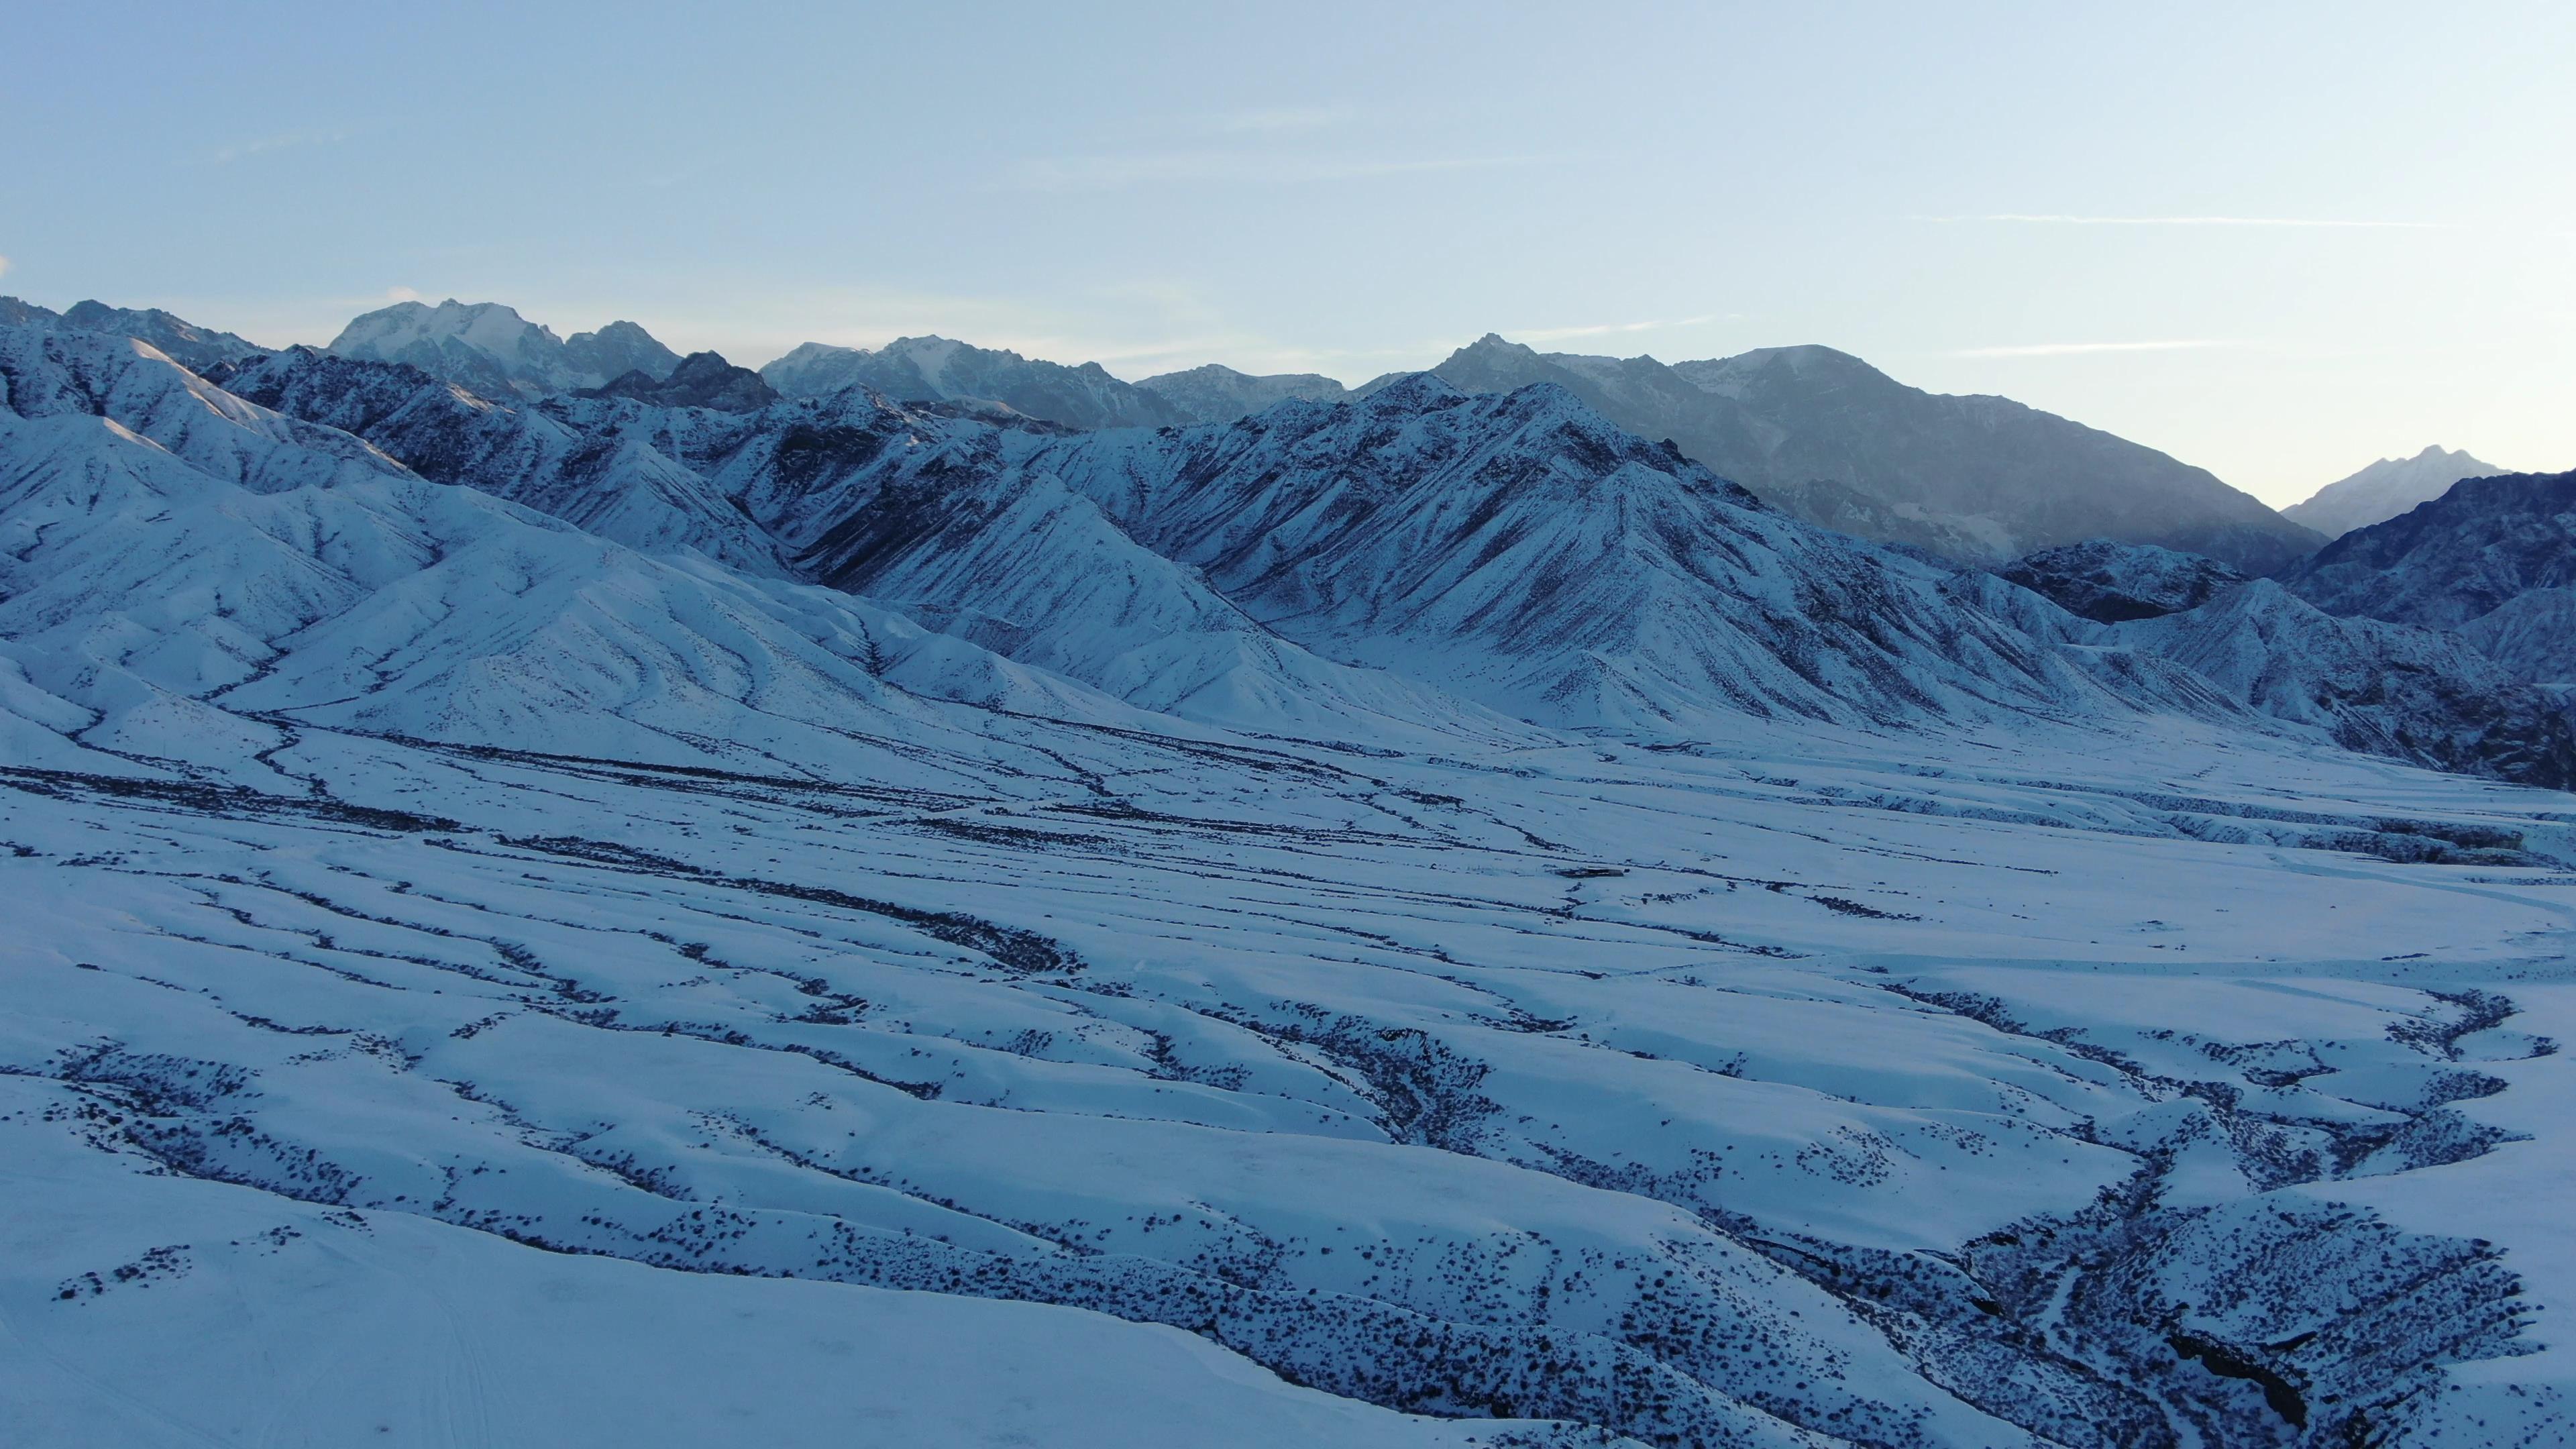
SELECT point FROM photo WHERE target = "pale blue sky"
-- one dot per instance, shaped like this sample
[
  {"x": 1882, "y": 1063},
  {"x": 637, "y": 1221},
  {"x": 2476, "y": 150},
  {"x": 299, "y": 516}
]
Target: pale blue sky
[{"x": 2277, "y": 241}]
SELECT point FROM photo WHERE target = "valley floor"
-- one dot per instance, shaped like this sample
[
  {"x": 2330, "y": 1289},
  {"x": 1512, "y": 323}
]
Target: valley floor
[{"x": 1117, "y": 1088}]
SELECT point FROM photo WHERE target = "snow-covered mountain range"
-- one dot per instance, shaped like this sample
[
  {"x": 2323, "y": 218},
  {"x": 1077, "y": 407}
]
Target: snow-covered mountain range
[
  {"x": 1431, "y": 918},
  {"x": 182, "y": 341},
  {"x": 2384, "y": 490}
]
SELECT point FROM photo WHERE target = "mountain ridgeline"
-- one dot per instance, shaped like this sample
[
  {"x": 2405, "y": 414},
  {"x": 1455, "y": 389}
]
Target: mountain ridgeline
[
  {"x": 1821, "y": 434},
  {"x": 1418, "y": 562},
  {"x": 1482, "y": 548}
]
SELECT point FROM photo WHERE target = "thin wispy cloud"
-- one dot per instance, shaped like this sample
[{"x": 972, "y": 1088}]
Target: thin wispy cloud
[
  {"x": 1276, "y": 120},
  {"x": 241, "y": 150},
  {"x": 1118, "y": 172},
  {"x": 4, "y": 266},
  {"x": 2068, "y": 219},
  {"x": 1606, "y": 329},
  {"x": 2073, "y": 349}
]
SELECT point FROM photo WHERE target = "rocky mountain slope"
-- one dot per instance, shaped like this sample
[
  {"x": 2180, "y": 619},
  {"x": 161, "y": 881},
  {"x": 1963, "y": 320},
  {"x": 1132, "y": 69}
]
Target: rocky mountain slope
[
  {"x": 2387, "y": 689},
  {"x": 2384, "y": 490},
  {"x": 599, "y": 475},
  {"x": 2110, "y": 582},
  {"x": 702, "y": 380},
  {"x": 493, "y": 351},
  {"x": 2483, "y": 543},
  {"x": 2493, "y": 559},
  {"x": 1522, "y": 551},
  {"x": 1979, "y": 480}
]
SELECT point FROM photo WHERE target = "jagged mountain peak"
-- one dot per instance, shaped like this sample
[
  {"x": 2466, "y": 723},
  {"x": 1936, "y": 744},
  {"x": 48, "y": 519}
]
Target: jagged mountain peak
[
  {"x": 2385, "y": 489},
  {"x": 491, "y": 349}
]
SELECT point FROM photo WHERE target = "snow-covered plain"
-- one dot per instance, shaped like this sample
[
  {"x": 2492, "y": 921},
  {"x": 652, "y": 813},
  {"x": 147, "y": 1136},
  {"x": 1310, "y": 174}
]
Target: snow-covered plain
[{"x": 469, "y": 982}]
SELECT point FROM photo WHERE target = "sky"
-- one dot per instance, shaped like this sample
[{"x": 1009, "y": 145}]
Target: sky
[{"x": 2277, "y": 241}]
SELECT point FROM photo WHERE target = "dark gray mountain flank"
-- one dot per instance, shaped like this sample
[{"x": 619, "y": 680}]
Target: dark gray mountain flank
[
  {"x": 702, "y": 380},
  {"x": 2110, "y": 582},
  {"x": 2480, "y": 545}
]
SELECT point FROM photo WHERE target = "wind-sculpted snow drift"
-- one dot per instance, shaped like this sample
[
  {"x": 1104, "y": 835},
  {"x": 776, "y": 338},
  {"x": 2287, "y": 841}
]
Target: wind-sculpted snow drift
[{"x": 472, "y": 979}]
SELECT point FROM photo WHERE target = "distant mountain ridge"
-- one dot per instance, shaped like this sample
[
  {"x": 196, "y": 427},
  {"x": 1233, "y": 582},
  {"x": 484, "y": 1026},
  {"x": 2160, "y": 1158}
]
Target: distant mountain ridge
[
  {"x": 939, "y": 369},
  {"x": 1214, "y": 393},
  {"x": 492, "y": 350},
  {"x": 1979, "y": 480},
  {"x": 1841, "y": 444},
  {"x": 2385, "y": 489},
  {"x": 191, "y": 346}
]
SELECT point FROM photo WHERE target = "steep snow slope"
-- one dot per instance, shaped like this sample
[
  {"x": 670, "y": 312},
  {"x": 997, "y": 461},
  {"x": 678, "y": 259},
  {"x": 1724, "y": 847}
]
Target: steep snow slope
[
  {"x": 2386, "y": 689},
  {"x": 1218, "y": 394},
  {"x": 599, "y": 478},
  {"x": 164, "y": 555},
  {"x": 1520, "y": 551},
  {"x": 1981, "y": 479},
  {"x": 2109, "y": 582},
  {"x": 2384, "y": 490},
  {"x": 184, "y": 342},
  {"x": 937, "y": 369},
  {"x": 2532, "y": 634},
  {"x": 46, "y": 375},
  {"x": 492, "y": 350},
  {"x": 937, "y": 517}
]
